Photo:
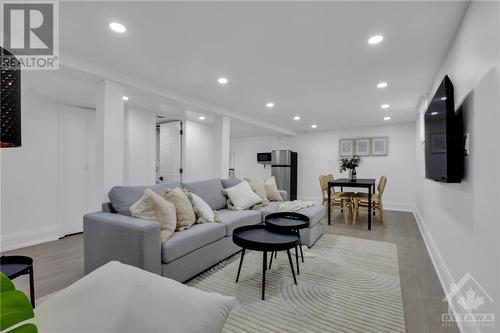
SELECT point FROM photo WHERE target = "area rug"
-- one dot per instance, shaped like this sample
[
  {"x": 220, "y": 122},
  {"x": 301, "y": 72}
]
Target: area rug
[{"x": 345, "y": 285}]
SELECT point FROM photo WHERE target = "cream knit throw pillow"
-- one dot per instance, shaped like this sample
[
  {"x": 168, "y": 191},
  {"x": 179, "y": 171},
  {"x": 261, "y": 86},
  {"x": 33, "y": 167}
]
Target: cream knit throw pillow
[
  {"x": 153, "y": 206},
  {"x": 259, "y": 188},
  {"x": 272, "y": 190},
  {"x": 183, "y": 208}
]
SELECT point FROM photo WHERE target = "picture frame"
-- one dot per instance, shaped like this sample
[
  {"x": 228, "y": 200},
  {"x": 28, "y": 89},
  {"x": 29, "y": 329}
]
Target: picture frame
[
  {"x": 379, "y": 146},
  {"x": 362, "y": 146},
  {"x": 346, "y": 147}
]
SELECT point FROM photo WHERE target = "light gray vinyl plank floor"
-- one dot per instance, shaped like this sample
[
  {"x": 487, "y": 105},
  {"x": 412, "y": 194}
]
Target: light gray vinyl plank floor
[{"x": 59, "y": 263}]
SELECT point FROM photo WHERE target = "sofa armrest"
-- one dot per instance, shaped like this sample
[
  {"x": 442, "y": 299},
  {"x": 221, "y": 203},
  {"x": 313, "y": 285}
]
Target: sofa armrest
[
  {"x": 122, "y": 238},
  {"x": 284, "y": 195}
]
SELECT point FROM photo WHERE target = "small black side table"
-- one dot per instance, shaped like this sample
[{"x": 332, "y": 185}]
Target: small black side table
[
  {"x": 14, "y": 266},
  {"x": 258, "y": 238},
  {"x": 288, "y": 222}
]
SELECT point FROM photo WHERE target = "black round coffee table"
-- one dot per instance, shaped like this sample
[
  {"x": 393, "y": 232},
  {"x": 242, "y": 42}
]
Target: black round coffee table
[
  {"x": 288, "y": 222},
  {"x": 259, "y": 238},
  {"x": 14, "y": 266}
]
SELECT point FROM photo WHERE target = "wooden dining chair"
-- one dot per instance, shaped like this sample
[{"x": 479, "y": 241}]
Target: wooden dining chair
[
  {"x": 361, "y": 201},
  {"x": 339, "y": 200}
]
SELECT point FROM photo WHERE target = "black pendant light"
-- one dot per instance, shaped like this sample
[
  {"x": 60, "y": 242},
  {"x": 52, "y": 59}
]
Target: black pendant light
[{"x": 10, "y": 103}]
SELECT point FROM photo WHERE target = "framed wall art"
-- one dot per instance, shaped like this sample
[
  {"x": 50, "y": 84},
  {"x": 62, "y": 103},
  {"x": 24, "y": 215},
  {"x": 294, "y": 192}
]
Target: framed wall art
[
  {"x": 362, "y": 147},
  {"x": 380, "y": 146},
  {"x": 346, "y": 147}
]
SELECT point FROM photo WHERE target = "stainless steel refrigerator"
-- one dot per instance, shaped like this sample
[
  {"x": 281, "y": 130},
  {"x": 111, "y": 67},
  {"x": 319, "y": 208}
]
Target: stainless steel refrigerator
[{"x": 284, "y": 170}]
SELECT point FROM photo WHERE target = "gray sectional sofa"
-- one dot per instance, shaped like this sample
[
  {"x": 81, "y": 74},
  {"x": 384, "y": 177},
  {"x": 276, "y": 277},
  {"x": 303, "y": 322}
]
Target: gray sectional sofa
[{"x": 113, "y": 234}]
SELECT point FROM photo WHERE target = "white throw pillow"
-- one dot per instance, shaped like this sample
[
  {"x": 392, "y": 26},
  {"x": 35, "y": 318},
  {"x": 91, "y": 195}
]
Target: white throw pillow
[
  {"x": 272, "y": 190},
  {"x": 204, "y": 212},
  {"x": 153, "y": 206},
  {"x": 242, "y": 196}
]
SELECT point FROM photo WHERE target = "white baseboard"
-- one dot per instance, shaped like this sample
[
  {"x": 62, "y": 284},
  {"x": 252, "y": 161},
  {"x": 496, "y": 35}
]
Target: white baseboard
[
  {"x": 21, "y": 239},
  {"x": 399, "y": 206},
  {"x": 443, "y": 273}
]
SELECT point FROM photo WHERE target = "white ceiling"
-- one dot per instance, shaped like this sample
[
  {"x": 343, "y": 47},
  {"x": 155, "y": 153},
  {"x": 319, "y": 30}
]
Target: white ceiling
[{"x": 311, "y": 58}]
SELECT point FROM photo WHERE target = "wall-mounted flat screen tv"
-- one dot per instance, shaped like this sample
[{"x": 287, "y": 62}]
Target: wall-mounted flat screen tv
[{"x": 444, "y": 149}]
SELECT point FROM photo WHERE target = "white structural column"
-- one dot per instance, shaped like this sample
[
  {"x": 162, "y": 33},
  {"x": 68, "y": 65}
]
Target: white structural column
[
  {"x": 222, "y": 133},
  {"x": 110, "y": 126}
]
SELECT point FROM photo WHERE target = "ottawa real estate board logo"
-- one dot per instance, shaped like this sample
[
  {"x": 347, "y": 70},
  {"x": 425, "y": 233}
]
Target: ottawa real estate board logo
[
  {"x": 469, "y": 305},
  {"x": 29, "y": 35}
]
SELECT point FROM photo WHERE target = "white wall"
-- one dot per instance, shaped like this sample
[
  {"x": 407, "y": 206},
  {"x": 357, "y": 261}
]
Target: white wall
[
  {"x": 460, "y": 222},
  {"x": 318, "y": 154},
  {"x": 33, "y": 176},
  {"x": 140, "y": 147},
  {"x": 30, "y": 176},
  {"x": 198, "y": 151}
]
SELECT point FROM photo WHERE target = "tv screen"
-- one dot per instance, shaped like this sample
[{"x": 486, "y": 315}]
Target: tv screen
[{"x": 444, "y": 154}]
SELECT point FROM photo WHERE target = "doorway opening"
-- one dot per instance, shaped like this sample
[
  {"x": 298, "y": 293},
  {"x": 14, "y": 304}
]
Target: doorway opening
[{"x": 169, "y": 138}]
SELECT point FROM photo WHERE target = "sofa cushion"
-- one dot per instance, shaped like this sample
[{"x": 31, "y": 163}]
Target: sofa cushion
[
  {"x": 209, "y": 190},
  {"x": 123, "y": 197},
  {"x": 233, "y": 219},
  {"x": 315, "y": 213},
  {"x": 186, "y": 241},
  {"x": 230, "y": 182}
]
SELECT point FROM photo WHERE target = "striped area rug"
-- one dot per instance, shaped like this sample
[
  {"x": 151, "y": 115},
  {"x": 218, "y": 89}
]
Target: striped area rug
[{"x": 345, "y": 285}]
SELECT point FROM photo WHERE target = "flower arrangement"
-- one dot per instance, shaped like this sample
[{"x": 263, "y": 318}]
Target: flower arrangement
[{"x": 350, "y": 163}]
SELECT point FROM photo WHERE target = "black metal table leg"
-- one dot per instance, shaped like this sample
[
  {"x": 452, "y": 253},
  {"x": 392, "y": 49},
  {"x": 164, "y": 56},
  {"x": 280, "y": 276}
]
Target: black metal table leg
[
  {"x": 300, "y": 246},
  {"x": 239, "y": 267},
  {"x": 264, "y": 266},
  {"x": 271, "y": 260},
  {"x": 291, "y": 266},
  {"x": 297, "y": 259},
  {"x": 32, "y": 287}
]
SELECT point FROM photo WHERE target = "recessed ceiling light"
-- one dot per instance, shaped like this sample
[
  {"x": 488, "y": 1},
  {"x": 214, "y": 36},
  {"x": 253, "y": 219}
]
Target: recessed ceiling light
[
  {"x": 382, "y": 85},
  {"x": 125, "y": 98},
  {"x": 433, "y": 113},
  {"x": 270, "y": 105},
  {"x": 384, "y": 106},
  {"x": 296, "y": 118},
  {"x": 222, "y": 80},
  {"x": 202, "y": 117},
  {"x": 314, "y": 126},
  {"x": 118, "y": 27},
  {"x": 375, "y": 39},
  {"x": 387, "y": 118}
]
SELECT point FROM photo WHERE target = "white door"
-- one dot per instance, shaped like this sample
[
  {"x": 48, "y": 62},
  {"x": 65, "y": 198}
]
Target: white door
[
  {"x": 170, "y": 151},
  {"x": 74, "y": 163}
]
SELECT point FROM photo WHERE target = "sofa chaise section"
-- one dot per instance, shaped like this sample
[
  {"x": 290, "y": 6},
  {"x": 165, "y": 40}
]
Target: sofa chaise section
[{"x": 317, "y": 221}]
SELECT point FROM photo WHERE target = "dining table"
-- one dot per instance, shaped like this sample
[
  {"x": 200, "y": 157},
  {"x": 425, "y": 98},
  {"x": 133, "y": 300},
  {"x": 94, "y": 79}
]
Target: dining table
[{"x": 367, "y": 183}]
